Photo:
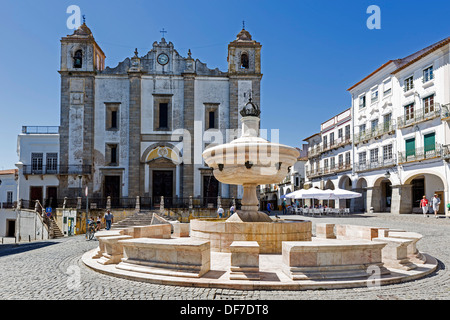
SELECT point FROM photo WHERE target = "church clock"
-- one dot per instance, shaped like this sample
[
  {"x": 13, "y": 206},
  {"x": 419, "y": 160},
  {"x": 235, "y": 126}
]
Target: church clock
[{"x": 163, "y": 59}]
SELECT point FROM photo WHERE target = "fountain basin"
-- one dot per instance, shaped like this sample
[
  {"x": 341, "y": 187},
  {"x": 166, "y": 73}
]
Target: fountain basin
[{"x": 269, "y": 235}]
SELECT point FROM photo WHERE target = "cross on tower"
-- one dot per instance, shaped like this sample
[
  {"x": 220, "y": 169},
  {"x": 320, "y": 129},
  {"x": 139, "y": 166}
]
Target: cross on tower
[
  {"x": 243, "y": 24},
  {"x": 163, "y": 31}
]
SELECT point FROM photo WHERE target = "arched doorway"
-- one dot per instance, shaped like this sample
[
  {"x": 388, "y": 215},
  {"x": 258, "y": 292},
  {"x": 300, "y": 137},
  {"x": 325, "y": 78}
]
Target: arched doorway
[
  {"x": 423, "y": 184},
  {"x": 381, "y": 199}
]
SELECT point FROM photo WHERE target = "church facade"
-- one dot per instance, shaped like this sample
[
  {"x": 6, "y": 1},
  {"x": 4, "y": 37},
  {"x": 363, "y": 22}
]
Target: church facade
[{"x": 139, "y": 129}]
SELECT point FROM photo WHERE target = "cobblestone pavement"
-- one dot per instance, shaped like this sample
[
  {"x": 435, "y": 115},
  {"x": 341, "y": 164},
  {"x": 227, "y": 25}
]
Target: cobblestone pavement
[{"x": 53, "y": 270}]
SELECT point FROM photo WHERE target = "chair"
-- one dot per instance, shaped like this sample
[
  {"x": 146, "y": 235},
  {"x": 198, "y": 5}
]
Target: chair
[{"x": 347, "y": 211}]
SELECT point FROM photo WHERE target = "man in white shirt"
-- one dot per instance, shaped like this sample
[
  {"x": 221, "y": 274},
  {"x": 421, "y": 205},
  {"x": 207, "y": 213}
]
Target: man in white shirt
[
  {"x": 220, "y": 212},
  {"x": 436, "y": 202}
]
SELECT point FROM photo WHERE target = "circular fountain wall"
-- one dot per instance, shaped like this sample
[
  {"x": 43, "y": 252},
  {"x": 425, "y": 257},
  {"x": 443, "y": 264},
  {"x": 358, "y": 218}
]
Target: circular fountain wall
[{"x": 269, "y": 235}]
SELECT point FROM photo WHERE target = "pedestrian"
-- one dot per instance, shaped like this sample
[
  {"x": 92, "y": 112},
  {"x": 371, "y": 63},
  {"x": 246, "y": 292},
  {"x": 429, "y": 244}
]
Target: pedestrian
[
  {"x": 269, "y": 207},
  {"x": 99, "y": 223},
  {"x": 436, "y": 202},
  {"x": 220, "y": 212},
  {"x": 109, "y": 219},
  {"x": 232, "y": 210},
  {"x": 424, "y": 206},
  {"x": 283, "y": 206}
]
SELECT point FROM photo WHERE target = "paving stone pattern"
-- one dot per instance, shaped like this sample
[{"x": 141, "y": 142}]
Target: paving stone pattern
[{"x": 53, "y": 270}]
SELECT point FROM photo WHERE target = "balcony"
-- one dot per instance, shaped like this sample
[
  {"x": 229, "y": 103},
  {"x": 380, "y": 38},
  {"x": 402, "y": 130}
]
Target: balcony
[
  {"x": 336, "y": 168},
  {"x": 314, "y": 151},
  {"x": 336, "y": 143},
  {"x": 374, "y": 133},
  {"x": 40, "y": 129},
  {"x": 420, "y": 154},
  {"x": 375, "y": 164},
  {"x": 314, "y": 173},
  {"x": 60, "y": 170},
  {"x": 418, "y": 116}
]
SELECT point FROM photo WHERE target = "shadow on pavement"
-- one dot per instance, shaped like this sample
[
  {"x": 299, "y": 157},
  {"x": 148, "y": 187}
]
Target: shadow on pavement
[{"x": 8, "y": 249}]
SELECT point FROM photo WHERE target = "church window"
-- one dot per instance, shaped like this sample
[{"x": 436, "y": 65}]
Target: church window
[
  {"x": 163, "y": 115},
  {"x": 211, "y": 119},
  {"x": 112, "y": 154},
  {"x": 211, "y": 116},
  {"x": 162, "y": 111},
  {"x": 114, "y": 119},
  {"x": 244, "y": 61},
  {"x": 78, "y": 59},
  {"x": 112, "y": 116}
]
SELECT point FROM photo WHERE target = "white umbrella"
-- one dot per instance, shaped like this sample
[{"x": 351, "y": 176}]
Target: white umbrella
[
  {"x": 312, "y": 193},
  {"x": 344, "y": 194}
]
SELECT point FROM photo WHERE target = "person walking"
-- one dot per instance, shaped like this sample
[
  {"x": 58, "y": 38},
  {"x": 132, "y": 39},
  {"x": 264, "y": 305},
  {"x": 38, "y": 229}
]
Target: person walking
[
  {"x": 232, "y": 210},
  {"x": 109, "y": 219},
  {"x": 220, "y": 212},
  {"x": 424, "y": 206},
  {"x": 99, "y": 224},
  {"x": 269, "y": 207},
  {"x": 283, "y": 206},
  {"x": 436, "y": 202}
]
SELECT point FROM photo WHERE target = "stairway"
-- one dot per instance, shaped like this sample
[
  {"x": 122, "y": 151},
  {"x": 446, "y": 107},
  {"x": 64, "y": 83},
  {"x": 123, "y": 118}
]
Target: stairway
[
  {"x": 56, "y": 231},
  {"x": 142, "y": 218}
]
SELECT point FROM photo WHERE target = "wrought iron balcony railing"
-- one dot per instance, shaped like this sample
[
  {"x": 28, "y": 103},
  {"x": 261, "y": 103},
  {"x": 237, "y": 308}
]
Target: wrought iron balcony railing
[
  {"x": 61, "y": 169},
  {"x": 422, "y": 153},
  {"x": 378, "y": 131},
  {"x": 420, "y": 115},
  {"x": 373, "y": 164}
]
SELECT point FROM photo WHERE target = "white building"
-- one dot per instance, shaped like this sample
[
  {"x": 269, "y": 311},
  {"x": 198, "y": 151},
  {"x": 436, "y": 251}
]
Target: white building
[
  {"x": 38, "y": 166},
  {"x": 8, "y": 196},
  {"x": 330, "y": 154},
  {"x": 400, "y": 115}
]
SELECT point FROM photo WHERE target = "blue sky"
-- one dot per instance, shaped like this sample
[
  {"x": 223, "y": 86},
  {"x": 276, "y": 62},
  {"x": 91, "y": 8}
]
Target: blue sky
[{"x": 312, "y": 51}]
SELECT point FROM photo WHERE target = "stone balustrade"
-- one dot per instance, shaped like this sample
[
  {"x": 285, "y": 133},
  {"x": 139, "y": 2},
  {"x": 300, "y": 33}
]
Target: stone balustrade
[
  {"x": 331, "y": 259},
  {"x": 244, "y": 260},
  {"x": 113, "y": 251},
  {"x": 101, "y": 245},
  {"x": 348, "y": 232},
  {"x": 181, "y": 229},
  {"x": 325, "y": 230},
  {"x": 413, "y": 254},
  {"x": 395, "y": 253},
  {"x": 153, "y": 231},
  {"x": 179, "y": 257}
]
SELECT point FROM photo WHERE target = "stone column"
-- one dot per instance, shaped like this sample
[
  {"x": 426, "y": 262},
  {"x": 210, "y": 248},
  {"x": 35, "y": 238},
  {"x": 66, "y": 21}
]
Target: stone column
[
  {"x": 138, "y": 204},
  {"x": 402, "y": 201},
  {"x": 108, "y": 203},
  {"x": 188, "y": 164},
  {"x": 134, "y": 164},
  {"x": 161, "y": 205},
  {"x": 374, "y": 198}
]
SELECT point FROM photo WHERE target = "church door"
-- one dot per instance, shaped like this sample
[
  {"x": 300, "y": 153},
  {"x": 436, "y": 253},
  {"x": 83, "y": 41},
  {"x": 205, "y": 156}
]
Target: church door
[
  {"x": 112, "y": 189},
  {"x": 210, "y": 190},
  {"x": 162, "y": 186}
]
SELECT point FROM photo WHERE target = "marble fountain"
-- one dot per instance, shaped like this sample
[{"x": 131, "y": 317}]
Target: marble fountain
[{"x": 251, "y": 250}]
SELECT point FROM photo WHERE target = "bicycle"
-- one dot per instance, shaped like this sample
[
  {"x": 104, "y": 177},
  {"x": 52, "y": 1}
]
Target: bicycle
[{"x": 90, "y": 231}]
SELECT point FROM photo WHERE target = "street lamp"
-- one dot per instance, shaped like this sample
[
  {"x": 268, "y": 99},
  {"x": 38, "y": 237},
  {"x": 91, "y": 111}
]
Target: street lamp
[{"x": 387, "y": 174}]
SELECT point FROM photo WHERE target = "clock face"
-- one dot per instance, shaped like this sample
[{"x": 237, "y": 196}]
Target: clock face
[{"x": 163, "y": 59}]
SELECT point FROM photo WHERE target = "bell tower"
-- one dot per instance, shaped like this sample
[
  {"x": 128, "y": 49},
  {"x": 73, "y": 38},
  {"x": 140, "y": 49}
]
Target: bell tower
[
  {"x": 244, "y": 72},
  {"x": 244, "y": 55},
  {"x": 81, "y": 59}
]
